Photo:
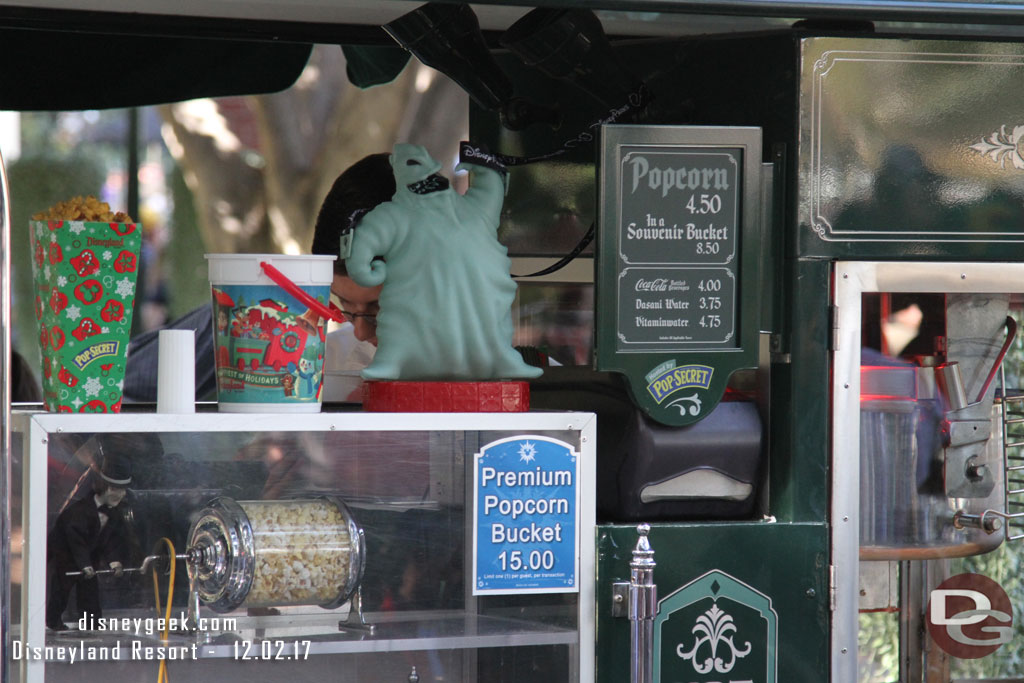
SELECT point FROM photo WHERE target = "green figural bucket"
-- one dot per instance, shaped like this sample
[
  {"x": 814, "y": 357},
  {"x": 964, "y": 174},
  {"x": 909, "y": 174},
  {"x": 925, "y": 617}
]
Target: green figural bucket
[{"x": 269, "y": 315}]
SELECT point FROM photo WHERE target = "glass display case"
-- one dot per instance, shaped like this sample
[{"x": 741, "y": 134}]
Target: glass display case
[{"x": 343, "y": 545}]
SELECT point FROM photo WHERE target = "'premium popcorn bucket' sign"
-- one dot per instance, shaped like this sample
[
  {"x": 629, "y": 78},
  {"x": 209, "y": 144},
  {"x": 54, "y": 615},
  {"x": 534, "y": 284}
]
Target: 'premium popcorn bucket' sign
[{"x": 85, "y": 274}]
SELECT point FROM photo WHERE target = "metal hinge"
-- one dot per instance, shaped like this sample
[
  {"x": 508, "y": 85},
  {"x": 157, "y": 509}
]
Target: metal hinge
[
  {"x": 778, "y": 355},
  {"x": 832, "y": 588},
  {"x": 833, "y": 326},
  {"x": 620, "y": 599}
]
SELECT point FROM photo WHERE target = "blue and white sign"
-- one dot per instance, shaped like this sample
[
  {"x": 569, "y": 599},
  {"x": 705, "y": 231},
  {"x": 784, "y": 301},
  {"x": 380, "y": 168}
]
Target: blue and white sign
[{"x": 526, "y": 502}]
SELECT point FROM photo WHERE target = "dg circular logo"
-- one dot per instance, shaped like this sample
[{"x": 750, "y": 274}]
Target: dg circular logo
[{"x": 969, "y": 616}]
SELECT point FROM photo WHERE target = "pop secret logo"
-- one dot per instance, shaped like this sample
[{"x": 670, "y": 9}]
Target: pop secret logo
[{"x": 969, "y": 616}]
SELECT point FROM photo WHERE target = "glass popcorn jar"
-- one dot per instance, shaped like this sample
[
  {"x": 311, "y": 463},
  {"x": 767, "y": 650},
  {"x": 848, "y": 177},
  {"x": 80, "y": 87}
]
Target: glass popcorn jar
[{"x": 275, "y": 553}]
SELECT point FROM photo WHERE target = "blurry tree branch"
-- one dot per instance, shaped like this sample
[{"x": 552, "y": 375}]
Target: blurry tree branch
[{"x": 261, "y": 193}]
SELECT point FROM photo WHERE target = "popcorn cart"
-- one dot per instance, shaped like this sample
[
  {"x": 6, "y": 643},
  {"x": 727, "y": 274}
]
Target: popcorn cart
[
  {"x": 787, "y": 238},
  {"x": 341, "y": 545}
]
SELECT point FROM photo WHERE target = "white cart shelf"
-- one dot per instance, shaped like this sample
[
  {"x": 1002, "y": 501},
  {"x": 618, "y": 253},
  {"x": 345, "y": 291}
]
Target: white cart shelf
[{"x": 406, "y": 475}]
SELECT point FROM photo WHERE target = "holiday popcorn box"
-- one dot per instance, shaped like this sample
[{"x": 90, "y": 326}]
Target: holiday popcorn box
[{"x": 85, "y": 273}]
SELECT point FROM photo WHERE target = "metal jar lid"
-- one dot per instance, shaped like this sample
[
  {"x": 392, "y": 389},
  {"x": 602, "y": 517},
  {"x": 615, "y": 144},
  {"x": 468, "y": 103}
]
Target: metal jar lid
[{"x": 221, "y": 555}]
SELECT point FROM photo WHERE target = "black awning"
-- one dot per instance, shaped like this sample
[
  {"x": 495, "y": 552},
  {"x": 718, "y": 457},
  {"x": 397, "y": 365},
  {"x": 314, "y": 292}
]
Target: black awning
[{"x": 68, "y": 70}]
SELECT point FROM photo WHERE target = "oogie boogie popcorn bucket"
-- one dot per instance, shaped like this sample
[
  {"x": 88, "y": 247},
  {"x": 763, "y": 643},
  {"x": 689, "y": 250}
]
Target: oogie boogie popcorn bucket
[
  {"x": 85, "y": 275},
  {"x": 269, "y": 328}
]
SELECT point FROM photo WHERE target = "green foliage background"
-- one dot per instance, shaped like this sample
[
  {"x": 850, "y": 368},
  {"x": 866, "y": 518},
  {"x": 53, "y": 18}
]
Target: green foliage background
[
  {"x": 38, "y": 182},
  {"x": 56, "y": 167}
]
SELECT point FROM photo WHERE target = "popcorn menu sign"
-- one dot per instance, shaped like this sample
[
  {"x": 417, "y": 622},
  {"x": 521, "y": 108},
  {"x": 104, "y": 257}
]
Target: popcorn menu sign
[{"x": 85, "y": 274}]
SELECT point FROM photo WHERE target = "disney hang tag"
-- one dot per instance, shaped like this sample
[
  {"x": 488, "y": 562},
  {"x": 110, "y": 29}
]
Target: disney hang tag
[
  {"x": 345, "y": 245},
  {"x": 470, "y": 153},
  {"x": 345, "y": 237}
]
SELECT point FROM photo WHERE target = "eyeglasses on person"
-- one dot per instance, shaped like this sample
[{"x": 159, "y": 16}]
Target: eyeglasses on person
[{"x": 371, "y": 318}]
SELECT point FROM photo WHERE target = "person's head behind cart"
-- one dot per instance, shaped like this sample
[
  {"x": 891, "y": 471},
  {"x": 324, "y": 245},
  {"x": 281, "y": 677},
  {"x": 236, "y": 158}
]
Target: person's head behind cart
[
  {"x": 360, "y": 188},
  {"x": 365, "y": 184}
]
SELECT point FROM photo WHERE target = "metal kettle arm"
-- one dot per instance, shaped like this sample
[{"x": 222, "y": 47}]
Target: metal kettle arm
[
  {"x": 143, "y": 568},
  {"x": 964, "y": 432},
  {"x": 1011, "y": 333},
  {"x": 951, "y": 384}
]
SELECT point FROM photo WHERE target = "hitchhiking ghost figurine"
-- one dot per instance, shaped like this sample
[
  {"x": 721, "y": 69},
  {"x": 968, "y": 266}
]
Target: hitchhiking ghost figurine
[{"x": 445, "y": 305}]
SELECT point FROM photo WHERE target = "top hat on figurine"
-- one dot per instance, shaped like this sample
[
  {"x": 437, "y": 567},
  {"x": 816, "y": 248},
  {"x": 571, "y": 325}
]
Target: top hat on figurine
[{"x": 115, "y": 470}]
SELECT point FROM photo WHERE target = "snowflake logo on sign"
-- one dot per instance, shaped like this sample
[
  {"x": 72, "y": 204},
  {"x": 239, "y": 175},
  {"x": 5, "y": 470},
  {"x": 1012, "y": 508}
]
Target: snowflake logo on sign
[
  {"x": 527, "y": 452},
  {"x": 713, "y": 628}
]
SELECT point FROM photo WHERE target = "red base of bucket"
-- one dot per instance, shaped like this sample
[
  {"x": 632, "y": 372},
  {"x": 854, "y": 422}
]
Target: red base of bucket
[{"x": 446, "y": 397}]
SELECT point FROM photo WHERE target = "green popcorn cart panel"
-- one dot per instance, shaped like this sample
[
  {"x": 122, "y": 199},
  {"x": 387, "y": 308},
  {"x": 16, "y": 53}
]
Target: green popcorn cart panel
[{"x": 85, "y": 275}]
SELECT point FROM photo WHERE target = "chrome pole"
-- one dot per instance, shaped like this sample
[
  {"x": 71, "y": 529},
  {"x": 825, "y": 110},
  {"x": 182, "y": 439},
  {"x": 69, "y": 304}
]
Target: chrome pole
[
  {"x": 643, "y": 606},
  {"x": 5, "y": 425}
]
